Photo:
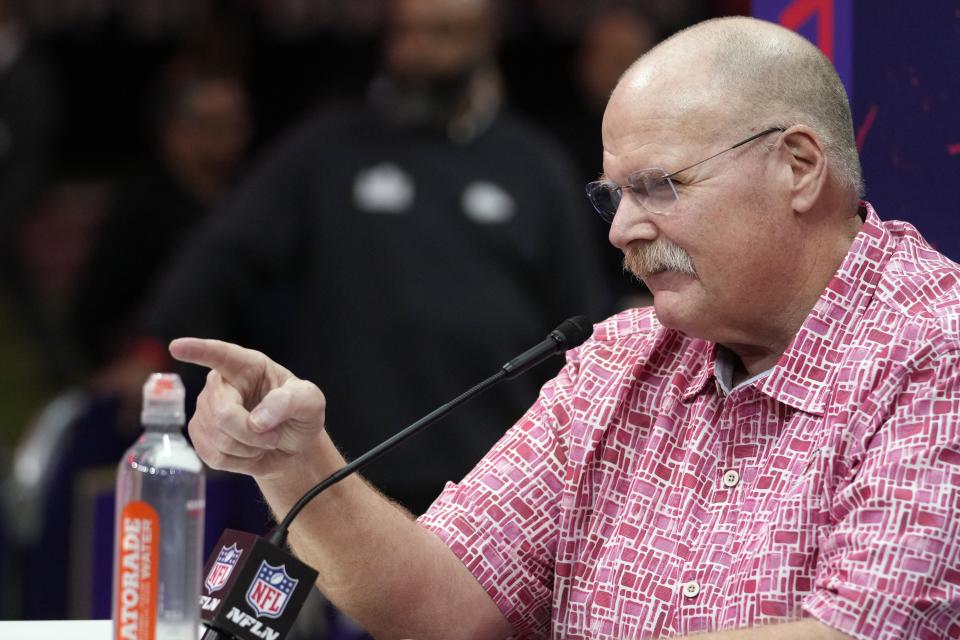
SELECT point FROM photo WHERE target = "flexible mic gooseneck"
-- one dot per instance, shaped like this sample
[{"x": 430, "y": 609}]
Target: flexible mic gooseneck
[
  {"x": 569, "y": 334},
  {"x": 254, "y": 588}
]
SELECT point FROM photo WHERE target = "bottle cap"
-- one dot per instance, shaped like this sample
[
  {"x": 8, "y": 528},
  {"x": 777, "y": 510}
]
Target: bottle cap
[{"x": 163, "y": 399}]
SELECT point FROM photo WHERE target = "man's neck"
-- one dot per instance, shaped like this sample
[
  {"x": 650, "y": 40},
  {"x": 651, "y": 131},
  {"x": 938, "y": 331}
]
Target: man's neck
[
  {"x": 751, "y": 360},
  {"x": 746, "y": 365},
  {"x": 729, "y": 370}
]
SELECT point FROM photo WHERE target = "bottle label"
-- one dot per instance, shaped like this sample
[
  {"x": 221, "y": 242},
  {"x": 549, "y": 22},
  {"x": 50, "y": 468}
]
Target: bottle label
[{"x": 137, "y": 565}]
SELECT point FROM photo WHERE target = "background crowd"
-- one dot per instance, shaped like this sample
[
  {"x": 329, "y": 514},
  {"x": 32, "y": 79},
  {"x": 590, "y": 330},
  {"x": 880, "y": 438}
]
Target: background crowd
[{"x": 125, "y": 125}]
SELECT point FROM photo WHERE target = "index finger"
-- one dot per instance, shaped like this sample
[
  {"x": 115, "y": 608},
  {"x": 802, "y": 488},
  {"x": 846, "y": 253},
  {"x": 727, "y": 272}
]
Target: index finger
[{"x": 231, "y": 360}]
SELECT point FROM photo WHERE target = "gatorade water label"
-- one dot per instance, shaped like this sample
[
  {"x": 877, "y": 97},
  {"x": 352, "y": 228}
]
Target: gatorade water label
[{"x": 137, "y": 565}]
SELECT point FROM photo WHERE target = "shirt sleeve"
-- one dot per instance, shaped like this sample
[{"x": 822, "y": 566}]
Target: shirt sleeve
[
  {"x": 890, "y": 566},
  {"x": 502, "y": 520}
]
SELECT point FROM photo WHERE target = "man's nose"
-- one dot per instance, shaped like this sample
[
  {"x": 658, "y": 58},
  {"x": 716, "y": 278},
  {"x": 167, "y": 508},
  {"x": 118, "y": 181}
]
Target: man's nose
[{"x": 631, "y": 223}]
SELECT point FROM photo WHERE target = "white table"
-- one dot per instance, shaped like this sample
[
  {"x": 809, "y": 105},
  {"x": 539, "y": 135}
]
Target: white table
[
  {"x": 59, "y": 629},
  {"x": 56, "y": 629}
]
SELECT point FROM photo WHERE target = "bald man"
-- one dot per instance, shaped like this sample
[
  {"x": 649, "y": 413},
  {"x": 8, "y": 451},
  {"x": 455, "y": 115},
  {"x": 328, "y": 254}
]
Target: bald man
[{"x": 773, "y": 451}]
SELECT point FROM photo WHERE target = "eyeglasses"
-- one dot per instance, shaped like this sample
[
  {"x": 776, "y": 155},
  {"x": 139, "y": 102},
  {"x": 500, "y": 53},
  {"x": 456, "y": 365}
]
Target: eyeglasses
[{"x": 653, "y": 188}]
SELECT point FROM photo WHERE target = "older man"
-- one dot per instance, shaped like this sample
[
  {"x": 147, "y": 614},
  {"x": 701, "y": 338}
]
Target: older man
[{"x": 773, "y": 452}]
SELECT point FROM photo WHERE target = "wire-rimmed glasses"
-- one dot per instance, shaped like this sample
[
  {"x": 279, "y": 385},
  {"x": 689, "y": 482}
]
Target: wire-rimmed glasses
[{"x": 653, "y": 188}]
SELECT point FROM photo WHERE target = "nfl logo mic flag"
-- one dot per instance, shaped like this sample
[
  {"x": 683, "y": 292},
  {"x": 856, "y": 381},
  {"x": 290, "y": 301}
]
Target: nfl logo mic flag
[
  {"x": 252, "y": 590},
  {"x": 217, "y": 576},
  {"x": 269, "y": 592}
]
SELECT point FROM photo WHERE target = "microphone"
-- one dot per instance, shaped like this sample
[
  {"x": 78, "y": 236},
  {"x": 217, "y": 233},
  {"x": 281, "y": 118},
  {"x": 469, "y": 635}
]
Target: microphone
[
  {"x": 571, "y": 333},
  {"x": 261, "y": 587}
]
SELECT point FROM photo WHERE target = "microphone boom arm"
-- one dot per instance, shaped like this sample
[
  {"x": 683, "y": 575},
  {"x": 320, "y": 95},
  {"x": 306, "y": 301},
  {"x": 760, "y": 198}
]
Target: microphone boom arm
[
  {"x": 279, "y": 534},
  {"x": 570, "y": 333}
]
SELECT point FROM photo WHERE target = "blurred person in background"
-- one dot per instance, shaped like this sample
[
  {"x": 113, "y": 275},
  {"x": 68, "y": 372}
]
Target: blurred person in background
[
  {"x": 613, "y": 36},
  {"x": 201, "y": 126},
  {"x": 29, "y": 119},
  {"x": 612, "y": 39},
  {"x": 398, "y": 251},
  {"x": 28, "y": 127}
]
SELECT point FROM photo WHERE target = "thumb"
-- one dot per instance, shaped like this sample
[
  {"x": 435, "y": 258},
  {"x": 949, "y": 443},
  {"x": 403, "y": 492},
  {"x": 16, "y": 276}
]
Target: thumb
[
  {"x": 297, "y": 401},
  {"x": 274, "y": 409}
]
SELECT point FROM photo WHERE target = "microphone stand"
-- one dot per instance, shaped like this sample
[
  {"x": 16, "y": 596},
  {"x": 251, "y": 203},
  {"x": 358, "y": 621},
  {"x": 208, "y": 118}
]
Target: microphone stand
[
  {"x": 570, "y": 333},
  {"x": 278, "y": 536}
]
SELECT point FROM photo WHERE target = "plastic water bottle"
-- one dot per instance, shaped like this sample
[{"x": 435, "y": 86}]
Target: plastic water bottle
[{"x": 159, "y": 524}]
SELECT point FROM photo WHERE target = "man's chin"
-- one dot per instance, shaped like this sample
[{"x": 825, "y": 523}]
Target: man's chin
[
  {"x": 664, "y": 281},
  {"x": 674, "y": 312}
]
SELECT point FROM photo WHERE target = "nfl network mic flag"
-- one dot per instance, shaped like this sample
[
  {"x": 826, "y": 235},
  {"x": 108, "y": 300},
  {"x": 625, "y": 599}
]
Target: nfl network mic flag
[{"x": 252, "y": 590}]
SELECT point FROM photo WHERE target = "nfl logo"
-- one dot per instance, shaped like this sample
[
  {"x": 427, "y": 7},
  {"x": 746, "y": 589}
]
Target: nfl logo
[
  {"x": 270, "y": 591},
  {"x": 221, "y": 569}
]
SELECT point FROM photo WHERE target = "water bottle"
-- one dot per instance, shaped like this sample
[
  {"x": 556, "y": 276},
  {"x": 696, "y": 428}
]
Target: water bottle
[{"x": 159, "y": 524}]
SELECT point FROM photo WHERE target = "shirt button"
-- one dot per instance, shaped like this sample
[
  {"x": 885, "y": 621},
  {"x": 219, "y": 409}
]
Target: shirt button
[
  {"x": 731, "y": 478},
  {"x": 691, "y": 589}
]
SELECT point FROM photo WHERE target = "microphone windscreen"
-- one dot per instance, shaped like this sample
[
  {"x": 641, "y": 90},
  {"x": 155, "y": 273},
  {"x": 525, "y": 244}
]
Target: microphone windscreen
[{"x": 573, "y": 332}]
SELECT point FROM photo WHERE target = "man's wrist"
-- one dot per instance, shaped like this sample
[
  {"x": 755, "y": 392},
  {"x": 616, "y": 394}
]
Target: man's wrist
[{"x": 300, "y": 472}]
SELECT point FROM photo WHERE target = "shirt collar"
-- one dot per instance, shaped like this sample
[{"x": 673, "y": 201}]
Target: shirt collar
[
  {"x": 724, "y": 366},
  {"x": 702, "y": 374},
  {"x": 719, "y": 365},
  {"x": 800, "y": 378}
]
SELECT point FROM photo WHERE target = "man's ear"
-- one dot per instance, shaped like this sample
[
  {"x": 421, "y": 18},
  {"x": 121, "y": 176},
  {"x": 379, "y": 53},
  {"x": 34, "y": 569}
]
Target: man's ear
[{"x": 808, "y": 166}]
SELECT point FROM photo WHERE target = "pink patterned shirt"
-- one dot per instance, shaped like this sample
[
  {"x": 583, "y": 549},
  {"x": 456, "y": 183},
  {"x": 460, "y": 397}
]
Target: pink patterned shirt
[{"x": 636, "y": 499}]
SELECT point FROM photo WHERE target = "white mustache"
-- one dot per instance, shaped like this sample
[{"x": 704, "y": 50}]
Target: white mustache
[{"x": 659, "y": 255}]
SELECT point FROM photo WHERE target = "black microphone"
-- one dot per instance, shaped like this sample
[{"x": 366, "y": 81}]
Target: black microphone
[
  {"x": 260, "y": 587},
  {"x": 571, "y": 333}
]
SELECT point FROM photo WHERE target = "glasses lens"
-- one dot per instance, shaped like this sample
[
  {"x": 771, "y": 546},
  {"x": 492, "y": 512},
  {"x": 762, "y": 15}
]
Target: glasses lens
[
  {"x": 605, "y": 198},
  {"x": 654, "y": 190}
]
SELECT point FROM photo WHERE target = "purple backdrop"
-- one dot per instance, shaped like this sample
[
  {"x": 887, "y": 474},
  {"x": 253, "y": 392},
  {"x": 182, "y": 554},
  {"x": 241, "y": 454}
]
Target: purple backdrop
[{"x": 900, "y": 64}]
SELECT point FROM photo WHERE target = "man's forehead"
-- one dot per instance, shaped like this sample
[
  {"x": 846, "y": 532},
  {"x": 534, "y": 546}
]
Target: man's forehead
[
  {"x": 662, "y": 106},
  {"x": 666, "y": 87},
  {"x": 658, "y": 119}
]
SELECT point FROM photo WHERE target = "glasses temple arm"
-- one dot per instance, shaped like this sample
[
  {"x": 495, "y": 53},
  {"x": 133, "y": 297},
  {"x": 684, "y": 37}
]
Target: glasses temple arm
[{"x": 739, "y": 144}]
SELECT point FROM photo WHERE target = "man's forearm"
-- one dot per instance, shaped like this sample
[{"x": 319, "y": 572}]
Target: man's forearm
[
  {"x": 336, "y": 524},
  {"x": 375, "y": 563},
  {"x": 808, "y": 629}
]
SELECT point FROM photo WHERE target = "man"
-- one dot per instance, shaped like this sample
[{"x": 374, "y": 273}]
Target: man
[
  {"x": 370, "y": 237},
  {"x": 773, "y": 452}
]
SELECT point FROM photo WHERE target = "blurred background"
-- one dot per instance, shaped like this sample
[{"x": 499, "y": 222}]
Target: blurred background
[{"x": 124, "y": 124}]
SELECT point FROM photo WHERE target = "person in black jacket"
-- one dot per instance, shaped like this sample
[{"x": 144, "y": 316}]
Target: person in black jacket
[{"x": 400, "y": 251}]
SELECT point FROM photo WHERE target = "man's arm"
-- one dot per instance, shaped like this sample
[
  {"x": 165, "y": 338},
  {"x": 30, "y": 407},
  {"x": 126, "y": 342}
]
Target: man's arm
[
  {"x": 375, "y": 563},
  {"x": 809, "y": 629}
]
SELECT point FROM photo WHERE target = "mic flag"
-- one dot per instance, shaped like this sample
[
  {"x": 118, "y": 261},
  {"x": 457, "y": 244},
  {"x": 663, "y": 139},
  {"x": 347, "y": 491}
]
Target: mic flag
[{"x": 252, "y": 590}]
